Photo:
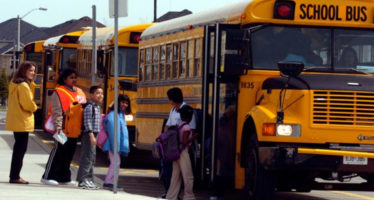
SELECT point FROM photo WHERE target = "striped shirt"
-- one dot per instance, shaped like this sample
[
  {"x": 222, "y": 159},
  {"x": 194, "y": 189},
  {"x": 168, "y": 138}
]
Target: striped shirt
[{"x": 91, "y": 117}]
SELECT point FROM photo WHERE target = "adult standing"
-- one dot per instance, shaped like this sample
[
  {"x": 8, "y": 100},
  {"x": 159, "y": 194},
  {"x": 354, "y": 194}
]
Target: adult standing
[
  {"x": 57, "y": 170},
  {"x": 20, "y": 116}
]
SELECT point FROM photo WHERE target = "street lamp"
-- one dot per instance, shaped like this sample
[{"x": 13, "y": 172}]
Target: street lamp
[{"x": 19, "y": 30}]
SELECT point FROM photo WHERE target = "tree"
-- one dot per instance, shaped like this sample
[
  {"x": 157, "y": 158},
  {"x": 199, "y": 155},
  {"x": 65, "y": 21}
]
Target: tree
[{"x": 3, "y": 86}]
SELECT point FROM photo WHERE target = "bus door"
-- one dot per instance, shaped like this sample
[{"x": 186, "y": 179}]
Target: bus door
[
  {"x": 49, "y": 79},
  {"x": 219, "y": 101}
]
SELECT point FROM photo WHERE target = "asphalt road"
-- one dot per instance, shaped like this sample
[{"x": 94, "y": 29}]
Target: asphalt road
[{"x": 139, "y": 175}]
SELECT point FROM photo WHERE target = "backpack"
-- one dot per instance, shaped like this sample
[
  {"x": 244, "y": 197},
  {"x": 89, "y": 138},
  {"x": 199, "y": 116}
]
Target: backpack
[
  {"x": 168, "y": 146},
  {"x": 73, "y": 121},
  {"x": 102, "y": 136}
]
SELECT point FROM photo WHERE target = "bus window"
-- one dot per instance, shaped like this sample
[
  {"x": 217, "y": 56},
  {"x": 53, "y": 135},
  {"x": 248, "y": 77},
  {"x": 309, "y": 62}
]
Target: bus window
[
  {"x": 148, "y": 61},
  {"x": 68, "y": 58},
  {"x": 182, "y": 60},
  {"x": 190, "y": 52},
  {"x": 169, "y": 54},
  {"x": 37, "y": 58},
  {"x": 197, "y": 65},
  {"x": 175, "y": 60},
  {"x": 162, "y": 62},
  {"x": 155, "y": 63},
  {"x": 127, "y": 62},
  {"x": 141, "y": 65},
  {"x": 307, "y": 45},
  {"x": 354, "y": 49}
]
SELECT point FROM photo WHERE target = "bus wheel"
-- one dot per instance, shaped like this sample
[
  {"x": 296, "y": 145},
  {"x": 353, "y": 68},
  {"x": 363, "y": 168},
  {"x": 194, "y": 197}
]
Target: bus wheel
[{"x": 260, "y": 184}]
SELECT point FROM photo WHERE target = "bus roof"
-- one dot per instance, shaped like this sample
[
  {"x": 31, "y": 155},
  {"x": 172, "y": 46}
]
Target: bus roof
[
  {"x": 53, "y": 41},
  {"x": 105, "y": 36},
  {"x": 229, "y": 13},
  {"x": 332, "y": 13}
]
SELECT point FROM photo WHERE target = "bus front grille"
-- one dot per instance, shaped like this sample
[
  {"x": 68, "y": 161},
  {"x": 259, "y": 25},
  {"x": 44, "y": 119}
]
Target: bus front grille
[{"x": 343, "y": 108}]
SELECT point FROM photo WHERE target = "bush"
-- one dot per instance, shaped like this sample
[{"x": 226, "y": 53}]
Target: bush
[{"x": 3, "y": 86}]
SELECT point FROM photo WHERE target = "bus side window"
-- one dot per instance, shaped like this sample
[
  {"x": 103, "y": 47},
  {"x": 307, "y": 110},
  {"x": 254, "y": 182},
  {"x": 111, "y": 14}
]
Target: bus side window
[
  {"x": 141, "y": 65},
  {"x": 197, "y": 60},
  {"x": 169, "y": 54},
  {"x": 148, "y": 64},
  {"x": 155, "y": 63},
  {"x": 190, "y": 57},
  {"x": 182, "y": 60},
  {"x": 175, "y": 60},
  {"x": 162, "y": 62}
]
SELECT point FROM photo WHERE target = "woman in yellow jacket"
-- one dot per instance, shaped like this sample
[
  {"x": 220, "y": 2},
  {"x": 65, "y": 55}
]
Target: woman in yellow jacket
[{"x": 20, "y": 116}]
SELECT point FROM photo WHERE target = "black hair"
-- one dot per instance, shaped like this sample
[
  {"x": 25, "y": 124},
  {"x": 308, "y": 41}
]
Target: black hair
[
  {"x": 94, "y": 88},
  {"x": 122, "y": 97},
  {"x": 186, "y": 113},
  {"x": 64, "y": 74},
  {"x": 175, "y": 95}
]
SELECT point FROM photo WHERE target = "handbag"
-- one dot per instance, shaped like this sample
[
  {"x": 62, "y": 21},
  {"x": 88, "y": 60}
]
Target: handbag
[
  {"x": 48, "y": 125},
  {"x": 102, "y": 136}
]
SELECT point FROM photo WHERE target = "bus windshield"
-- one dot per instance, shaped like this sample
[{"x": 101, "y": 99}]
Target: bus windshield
[
  {"x": 37, "y": 58},
  {"x": 127, "y": 62},
  {"x": 69, "y": 57},
  {"x": 353, "y": 50}
]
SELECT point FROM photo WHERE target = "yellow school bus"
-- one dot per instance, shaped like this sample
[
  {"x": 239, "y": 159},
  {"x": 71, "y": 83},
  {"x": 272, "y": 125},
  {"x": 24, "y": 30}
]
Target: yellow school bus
[
  {"x": 128, "y": 41},
  {"x": 285, "y": 89},
  {"x": 58, "y": 53},
  {"x": 33, "y": 51}
]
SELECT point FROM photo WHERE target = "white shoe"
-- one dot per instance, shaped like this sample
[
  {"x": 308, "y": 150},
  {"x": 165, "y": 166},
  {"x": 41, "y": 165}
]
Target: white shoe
[
  {"x": 49, "y": 181},
  {"x": 70, "y": 183},
  {"x": 93, "y": 185}
]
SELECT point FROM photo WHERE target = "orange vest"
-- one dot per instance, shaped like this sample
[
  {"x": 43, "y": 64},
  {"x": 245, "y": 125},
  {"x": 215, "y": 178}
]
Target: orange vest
[{"x": 67, "y": 97}]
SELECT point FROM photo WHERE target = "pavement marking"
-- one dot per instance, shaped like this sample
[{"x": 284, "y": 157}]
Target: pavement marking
[{"x": 353, "y": 195}]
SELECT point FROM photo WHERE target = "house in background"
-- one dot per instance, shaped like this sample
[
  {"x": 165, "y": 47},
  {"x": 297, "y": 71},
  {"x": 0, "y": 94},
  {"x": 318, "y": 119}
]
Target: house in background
[{"x": 30, "y": 33}]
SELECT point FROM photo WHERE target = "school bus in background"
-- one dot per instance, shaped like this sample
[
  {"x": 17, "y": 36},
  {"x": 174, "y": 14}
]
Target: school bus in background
[
  {"x": 128, "y": 41},
  {"x": 280, "y": 107},
  {"x": 33, "y": 51},
  {"x": 58, "y": 52}
]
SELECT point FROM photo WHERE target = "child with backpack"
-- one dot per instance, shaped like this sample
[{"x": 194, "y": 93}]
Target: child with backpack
[
  {"x": 175, "y": 97},
  {"x": 123, "y": 147},
  {"x": 182, "y": 169},
  {"x": 91, "y": 127}
]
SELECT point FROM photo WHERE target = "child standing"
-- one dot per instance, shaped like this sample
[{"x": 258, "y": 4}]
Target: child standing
[
  {"x": 122, "y": 137},
  {"x": 182, "y": 166},
  {"x": 91, "y": 122}
]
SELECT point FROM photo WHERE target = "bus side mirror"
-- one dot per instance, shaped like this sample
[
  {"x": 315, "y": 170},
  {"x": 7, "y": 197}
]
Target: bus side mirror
[{"x": 290, "y": 69}]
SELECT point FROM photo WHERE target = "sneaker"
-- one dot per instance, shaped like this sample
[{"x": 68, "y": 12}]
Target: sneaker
[
  {"x": 49, "y": 181},
  {"x": 85, "y": 185},
  {"x": 109, "y": 186},
  {"x": 93, "y": 185},
  {"x": 70, "y": 183}
]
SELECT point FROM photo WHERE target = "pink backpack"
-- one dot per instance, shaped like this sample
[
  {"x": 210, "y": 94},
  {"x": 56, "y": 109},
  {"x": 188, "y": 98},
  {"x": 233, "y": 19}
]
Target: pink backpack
[{"x": 102, "y": 136}]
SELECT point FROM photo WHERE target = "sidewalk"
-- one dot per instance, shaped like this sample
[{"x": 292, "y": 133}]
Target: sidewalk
[{"x": 33, "y": 168}]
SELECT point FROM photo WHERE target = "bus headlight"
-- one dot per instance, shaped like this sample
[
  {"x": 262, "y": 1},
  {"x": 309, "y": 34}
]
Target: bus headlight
[
  {"x": 129, "y": 118},
  {"x": 288, "y": 130}
]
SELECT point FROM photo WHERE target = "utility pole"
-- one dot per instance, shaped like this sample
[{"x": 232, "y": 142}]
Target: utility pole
[
  {"x": 154, "y": 10},
  {"x": 94, "y": 52}
]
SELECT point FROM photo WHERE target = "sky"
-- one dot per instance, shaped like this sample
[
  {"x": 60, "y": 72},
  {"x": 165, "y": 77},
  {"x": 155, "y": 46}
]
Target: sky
[{"x": 60, "y": 11}]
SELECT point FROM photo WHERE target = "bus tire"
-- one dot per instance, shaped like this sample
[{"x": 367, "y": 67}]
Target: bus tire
[{"x": 259, "y": 183}]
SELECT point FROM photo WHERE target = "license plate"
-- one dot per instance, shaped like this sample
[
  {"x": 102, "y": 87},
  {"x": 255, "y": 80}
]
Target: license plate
[{"x": 351, "y": 160}]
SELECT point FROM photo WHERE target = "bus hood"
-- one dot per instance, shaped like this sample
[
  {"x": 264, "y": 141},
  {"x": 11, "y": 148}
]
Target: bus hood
[{"x": 322, "y": 82}]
